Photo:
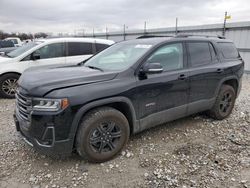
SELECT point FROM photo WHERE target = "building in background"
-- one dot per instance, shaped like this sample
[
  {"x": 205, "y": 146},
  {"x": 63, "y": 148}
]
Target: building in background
[{"x": 238, "y": 32}]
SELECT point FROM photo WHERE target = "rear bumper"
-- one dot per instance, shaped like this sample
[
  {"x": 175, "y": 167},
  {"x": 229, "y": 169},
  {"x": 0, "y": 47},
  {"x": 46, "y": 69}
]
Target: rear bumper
[{"x": 47, "y": 143}]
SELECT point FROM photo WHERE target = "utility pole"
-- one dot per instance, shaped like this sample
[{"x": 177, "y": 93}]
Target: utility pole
[
  {"x": 107, "y": 32},
  {"x": 176, "y": 26},
  {"x": 83, "y": 32},
  {"x": 145, "y": 28},
  {"x": 224, "y": 25},
  {"x": 93, "y": 32},
  {"x": 124, "y": 32}
]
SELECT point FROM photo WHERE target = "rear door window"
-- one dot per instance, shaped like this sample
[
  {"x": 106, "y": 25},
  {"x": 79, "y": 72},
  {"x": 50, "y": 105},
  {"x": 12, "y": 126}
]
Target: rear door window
[
  {"x": 199, "y": 53},
  {"x": 79, "y": 48},
  {"x": 228, "y": 50}
]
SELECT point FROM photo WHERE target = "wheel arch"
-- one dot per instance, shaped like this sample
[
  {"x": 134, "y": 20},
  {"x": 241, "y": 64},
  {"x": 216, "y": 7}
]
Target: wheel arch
[
  {"x": 122, "y": 104},
  {"x": 230, "y": 80},
  {"x": 234, "y": 83},
  {"x": 11, "y": 72}
]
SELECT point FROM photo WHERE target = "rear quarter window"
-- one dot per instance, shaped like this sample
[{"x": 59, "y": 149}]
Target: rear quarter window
[
  {"x": 228, "y": 50},
  {"x": 100, "y": 47},
  {"x": 79, "y": 48}
]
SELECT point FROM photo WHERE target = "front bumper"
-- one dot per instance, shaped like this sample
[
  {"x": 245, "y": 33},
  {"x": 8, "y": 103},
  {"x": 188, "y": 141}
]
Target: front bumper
[{"x": 46, "y": 133}]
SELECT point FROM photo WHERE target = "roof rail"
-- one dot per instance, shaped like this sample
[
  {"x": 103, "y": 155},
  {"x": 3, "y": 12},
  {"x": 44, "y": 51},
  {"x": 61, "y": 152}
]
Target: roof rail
[
  {"x": 195, "y": 35},
  {"x": 153, "y": 36}
]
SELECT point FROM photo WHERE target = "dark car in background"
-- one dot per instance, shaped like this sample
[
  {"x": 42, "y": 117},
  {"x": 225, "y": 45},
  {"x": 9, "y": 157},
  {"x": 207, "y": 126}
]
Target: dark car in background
[{"x": 95, "y": 106}]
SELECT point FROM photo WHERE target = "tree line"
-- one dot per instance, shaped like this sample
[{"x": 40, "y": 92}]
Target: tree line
[{"x": 22, "y": 36}]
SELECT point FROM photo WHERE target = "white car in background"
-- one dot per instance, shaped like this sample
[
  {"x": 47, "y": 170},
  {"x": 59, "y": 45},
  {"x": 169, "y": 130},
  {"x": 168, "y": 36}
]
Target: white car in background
[
  {"x": 45, "y": 52},
  {"x": 17, "y": 42}
]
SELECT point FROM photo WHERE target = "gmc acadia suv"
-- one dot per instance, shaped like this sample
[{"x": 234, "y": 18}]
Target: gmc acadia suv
[{"x": 131, "y": 86}]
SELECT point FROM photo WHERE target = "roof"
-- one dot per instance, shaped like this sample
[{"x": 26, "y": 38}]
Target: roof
[
  {"x": 76, "y": 39},
  {"x": 153, "y": 40}
]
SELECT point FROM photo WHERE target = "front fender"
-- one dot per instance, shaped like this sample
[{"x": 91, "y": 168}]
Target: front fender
[{"x": 83, "y": 110}]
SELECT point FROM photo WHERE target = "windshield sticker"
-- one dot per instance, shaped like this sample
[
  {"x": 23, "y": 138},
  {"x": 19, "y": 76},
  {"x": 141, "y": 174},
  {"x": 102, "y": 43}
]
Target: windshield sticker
[{"x": 143, "y": 46}]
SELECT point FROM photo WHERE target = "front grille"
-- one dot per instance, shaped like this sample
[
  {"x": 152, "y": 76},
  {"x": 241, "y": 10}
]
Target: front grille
[{"x": 23, "y": 104}]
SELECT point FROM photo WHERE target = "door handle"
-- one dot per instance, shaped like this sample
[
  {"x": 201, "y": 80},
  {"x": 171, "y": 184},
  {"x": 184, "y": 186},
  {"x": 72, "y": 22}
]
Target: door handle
[
  {"x": 219, "y": 70},
  {"x": 182, "y": 77}
]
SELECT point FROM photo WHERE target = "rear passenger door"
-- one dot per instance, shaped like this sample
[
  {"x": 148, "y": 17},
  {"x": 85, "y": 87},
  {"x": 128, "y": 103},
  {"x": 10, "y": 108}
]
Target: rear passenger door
[
  {"x": 78, "y": 51},
  {"x": 205, "y": 73}
]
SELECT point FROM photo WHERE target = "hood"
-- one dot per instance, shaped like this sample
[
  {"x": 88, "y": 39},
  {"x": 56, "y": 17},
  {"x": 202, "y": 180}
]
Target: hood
[
  {"x": 38, "y": 82},
  {"x": 5, "y": 59}
]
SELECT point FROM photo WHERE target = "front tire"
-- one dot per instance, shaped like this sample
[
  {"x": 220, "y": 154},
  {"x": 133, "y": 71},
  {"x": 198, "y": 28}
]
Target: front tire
[
  {"x": 8, "y": 85},
  {"x": 102, "y": 134},
  {"x": 224, "y": 103}
]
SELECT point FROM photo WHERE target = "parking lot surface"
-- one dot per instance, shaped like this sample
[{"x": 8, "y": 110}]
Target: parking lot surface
[{"x": 191, "y": 152}]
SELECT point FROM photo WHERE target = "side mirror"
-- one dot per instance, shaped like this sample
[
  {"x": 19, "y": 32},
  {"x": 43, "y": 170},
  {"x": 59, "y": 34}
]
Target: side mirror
[
  {"x": 152, "y": 68},
  {"x": 35, "y": 55}
]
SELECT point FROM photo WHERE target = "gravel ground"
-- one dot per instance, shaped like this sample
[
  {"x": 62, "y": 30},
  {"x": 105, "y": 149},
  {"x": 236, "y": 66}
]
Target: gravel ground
[{"x": 191, "y": 152}]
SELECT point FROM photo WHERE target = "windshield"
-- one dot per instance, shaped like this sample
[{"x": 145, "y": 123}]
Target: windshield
[
  {"x": 13, "y": 40},
  {"x": 22, "y": 49},
  {"x": 118, "y": 57}
]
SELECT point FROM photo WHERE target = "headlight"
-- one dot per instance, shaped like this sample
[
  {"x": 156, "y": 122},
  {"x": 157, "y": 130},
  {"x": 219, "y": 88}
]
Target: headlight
[{"x": 51, "y": 105}]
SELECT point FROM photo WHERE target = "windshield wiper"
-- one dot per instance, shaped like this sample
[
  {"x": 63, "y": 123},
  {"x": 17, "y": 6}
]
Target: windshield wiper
[
  {"x": 93, "y": 67},
  {"x": 84, "y": 61}
]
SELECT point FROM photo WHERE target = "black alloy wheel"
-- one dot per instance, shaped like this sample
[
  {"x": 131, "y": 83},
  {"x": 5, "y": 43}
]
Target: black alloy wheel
[
  {"x": 105, "y": 137},
  {"x": 224, "y": 103},
  {"x": 102, "y": 134}
]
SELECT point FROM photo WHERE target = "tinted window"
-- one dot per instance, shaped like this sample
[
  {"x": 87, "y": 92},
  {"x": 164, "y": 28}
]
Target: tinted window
[
  {"x": 228, "y": 50},
  {"x": 169, "y": 56},
  {"x": 52, "y": 51},
  {"x": 6, "y": 44},
  {"x": 100, "y": 47},
  {"x": 14, "y": 41},
  {"x": 79, "y": 48},
  {"x": 199, "y": 53}
]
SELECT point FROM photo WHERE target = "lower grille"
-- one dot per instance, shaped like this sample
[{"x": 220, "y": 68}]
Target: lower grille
[{"x": 23, "y": 104}]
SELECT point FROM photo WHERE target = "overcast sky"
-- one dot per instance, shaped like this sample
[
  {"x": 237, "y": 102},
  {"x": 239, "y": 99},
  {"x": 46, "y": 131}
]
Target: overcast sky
[{"x": 73, "y": 15}]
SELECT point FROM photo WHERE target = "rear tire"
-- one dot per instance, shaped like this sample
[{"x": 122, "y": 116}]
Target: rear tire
[
  {"x": 8, "y": 85},
  {"x": 224, "y": 103},
  {"x": 102, "y": 134}
]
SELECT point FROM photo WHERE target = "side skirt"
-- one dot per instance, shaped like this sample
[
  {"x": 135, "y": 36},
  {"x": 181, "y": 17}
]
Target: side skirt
[{"x": 175, "y": 113}]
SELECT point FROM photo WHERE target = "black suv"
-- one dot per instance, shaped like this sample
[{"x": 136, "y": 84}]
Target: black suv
[{"x": 133, "y": 85}]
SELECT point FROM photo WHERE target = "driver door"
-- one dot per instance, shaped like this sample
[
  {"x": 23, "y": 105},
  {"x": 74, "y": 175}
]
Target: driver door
[{"x": 163, "y": 96}]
